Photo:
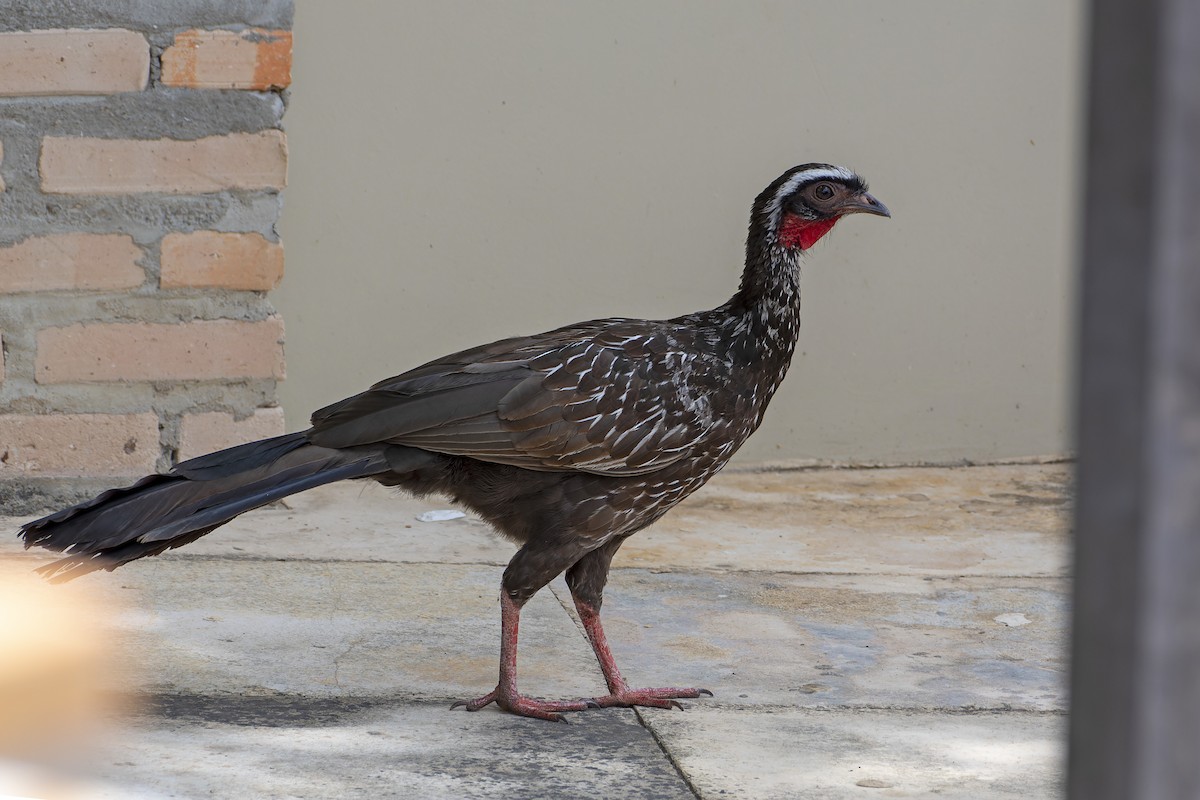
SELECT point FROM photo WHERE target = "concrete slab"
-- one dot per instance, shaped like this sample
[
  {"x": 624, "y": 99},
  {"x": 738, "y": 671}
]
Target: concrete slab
[
  {"x": 887, "y": 633},
  {"x": 832, "y": 640},
  {"x": 996, "y": 520},
  {"x": 314, "y": 629},
  {"x": 404, "y": 751},
  {"x": 430, "y": 632},
  {"x": 853, "y": 755}
]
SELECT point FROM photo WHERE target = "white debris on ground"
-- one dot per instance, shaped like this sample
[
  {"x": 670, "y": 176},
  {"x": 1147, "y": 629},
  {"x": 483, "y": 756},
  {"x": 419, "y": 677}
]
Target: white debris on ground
[{"x": 440, "y": 515}]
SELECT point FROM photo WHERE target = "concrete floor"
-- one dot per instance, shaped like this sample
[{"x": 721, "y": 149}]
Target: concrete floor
[{"x": 872, "y": 633}]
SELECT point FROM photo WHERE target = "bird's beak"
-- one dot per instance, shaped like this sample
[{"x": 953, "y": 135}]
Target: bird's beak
[{"x": 863, "y": 203}]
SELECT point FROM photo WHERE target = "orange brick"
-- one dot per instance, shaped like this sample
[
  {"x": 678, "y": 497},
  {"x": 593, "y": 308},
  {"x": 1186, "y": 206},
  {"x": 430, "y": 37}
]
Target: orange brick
[
  {"x": 249, "y": 59},
  {"x": 123, "y": 166},
  {"x": 58, "y": 62},
  {"x": 139, "y": 351},
  {"x": 212, "y": 431},
  {"x": 59, "y": 445},
  {"x": 224, "y": 260},
  {"x": 87, "y": 261}
]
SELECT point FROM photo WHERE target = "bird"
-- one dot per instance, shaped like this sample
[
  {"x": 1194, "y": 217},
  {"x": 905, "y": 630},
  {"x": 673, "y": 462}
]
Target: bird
[{"x": 567, "y": 442}]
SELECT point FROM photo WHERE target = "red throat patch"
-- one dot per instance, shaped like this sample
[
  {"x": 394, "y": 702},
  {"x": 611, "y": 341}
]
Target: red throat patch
[{"x": 796, "y": 231}]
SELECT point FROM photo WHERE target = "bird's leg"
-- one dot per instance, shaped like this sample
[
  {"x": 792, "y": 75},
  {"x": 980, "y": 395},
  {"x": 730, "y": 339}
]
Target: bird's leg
[
  {"x": 505, "y": 694},
  {"x": 586, "y": 580},
  {"x": 619, "y": 693}
]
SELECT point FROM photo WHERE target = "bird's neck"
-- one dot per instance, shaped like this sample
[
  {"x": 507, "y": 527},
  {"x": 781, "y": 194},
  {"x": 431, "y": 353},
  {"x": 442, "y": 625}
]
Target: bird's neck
[
  {"x": 766, "y": 309},
  {"x": 774, "y": 246},
  {"x": 771, "y": 276}
]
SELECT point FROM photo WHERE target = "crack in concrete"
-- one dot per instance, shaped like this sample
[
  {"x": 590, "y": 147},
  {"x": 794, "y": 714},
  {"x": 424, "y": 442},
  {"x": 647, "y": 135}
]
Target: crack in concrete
[
  {"x": 641, "y": 718},
  {"x": 337, "y": 660},
  {"x": 662, "y": 747},
  {"x": 335, "y": 604}
]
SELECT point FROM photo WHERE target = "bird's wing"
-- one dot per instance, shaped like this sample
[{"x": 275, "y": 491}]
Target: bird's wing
[{"x": 615, "y": 397}]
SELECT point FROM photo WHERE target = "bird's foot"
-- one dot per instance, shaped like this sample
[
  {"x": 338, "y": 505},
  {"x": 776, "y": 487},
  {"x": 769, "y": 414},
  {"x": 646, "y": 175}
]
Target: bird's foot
[
  {"x": 523, "y": 706},
  {"x": 653, "y": 698}
]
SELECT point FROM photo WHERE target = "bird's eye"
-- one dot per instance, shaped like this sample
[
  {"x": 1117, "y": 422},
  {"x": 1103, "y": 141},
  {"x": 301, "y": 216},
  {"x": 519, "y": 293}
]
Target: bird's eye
[{"x": 823, "y": 191}]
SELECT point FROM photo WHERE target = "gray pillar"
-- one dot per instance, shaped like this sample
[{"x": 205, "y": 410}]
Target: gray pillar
[{"x": 1135, "y": 683}]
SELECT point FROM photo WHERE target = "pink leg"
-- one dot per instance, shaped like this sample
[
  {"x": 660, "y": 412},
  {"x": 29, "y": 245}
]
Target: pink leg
[
  {"x": 505, "y": 694},
  {"x": 619, "y": 692}
]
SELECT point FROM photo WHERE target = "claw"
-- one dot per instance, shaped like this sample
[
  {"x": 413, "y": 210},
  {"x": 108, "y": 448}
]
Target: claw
[
  {"x": 477, "y": 703},
  {"x": 519, "y": 704},
  {"x": 705, "y": 692}
]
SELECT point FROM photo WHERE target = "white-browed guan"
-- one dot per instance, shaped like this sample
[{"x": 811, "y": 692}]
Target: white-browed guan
[{"x": 567, "y": 442}]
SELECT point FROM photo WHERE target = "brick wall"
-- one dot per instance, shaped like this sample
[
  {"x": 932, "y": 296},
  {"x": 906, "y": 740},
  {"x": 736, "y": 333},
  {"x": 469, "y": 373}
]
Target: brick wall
[{"x": 141, "y": 161}]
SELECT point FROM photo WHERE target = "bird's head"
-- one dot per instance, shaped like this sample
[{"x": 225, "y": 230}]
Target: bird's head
[{"x": 805, "y": 202}]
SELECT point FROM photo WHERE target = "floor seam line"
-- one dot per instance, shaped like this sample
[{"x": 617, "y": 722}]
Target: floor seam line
[{"x": 662, "y": 748}]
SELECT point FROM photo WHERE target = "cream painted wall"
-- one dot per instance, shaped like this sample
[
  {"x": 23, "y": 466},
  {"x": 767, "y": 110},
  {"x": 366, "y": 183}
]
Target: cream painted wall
[{"x": 462, "y": 171}]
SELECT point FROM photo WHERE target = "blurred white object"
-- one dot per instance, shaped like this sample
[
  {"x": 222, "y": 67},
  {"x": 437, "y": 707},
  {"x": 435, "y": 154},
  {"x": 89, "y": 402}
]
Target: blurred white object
[{"x": 56, "y": 654}]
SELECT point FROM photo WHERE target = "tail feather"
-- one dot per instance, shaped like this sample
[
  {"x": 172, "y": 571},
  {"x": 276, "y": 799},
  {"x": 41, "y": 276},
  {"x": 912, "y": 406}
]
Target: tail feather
[
  {"x": 224, "y": 463},
  {"x": 161, "y": 512}
]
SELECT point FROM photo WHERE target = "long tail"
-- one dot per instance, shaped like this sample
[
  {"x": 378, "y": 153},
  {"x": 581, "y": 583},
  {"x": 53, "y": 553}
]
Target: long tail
[{"x": 160, "y": 512}]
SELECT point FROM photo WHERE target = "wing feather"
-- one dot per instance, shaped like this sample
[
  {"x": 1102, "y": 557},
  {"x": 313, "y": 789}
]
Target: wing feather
[{"x": 610, "y": 397}]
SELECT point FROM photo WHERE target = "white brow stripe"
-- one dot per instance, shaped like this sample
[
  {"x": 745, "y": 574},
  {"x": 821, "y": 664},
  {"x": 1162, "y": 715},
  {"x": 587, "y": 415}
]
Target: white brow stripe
[{"x": 800, "y": 178}]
